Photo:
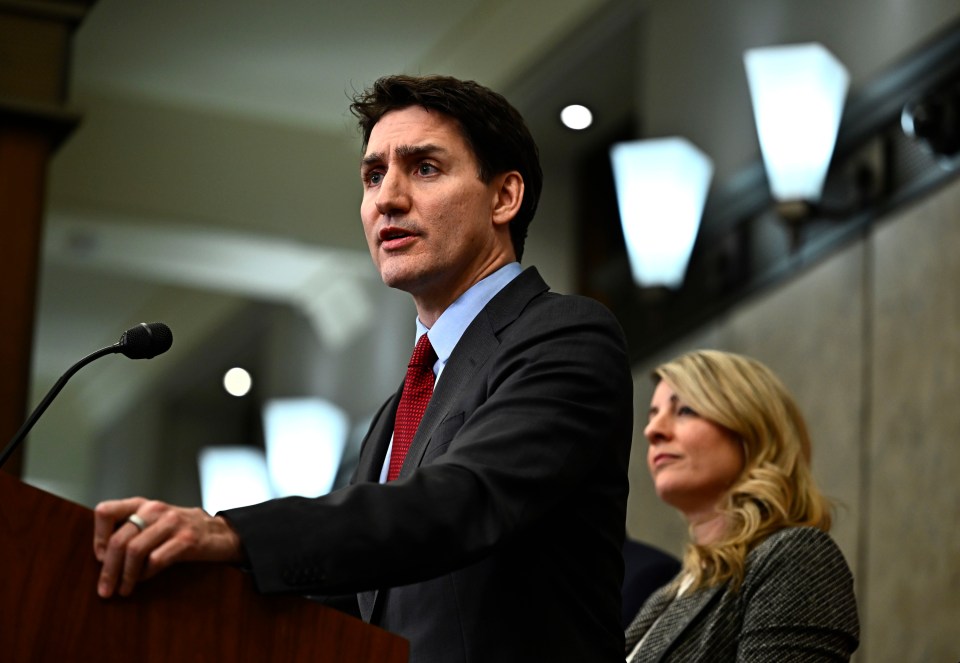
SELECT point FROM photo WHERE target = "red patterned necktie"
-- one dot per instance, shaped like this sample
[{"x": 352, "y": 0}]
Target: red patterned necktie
[{"x": 417, "y": 390}]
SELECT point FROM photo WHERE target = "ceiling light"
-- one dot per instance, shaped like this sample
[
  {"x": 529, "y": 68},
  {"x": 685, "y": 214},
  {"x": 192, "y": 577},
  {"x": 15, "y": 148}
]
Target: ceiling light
[
  {"x": 662, "y": 186},
  {"x": 798, "y": 94},
  {"x": 237, "y": 382},
  {"x": 576, "y": 117}
]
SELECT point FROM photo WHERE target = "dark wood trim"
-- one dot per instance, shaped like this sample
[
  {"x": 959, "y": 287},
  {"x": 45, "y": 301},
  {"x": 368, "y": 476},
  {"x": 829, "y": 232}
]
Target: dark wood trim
[
  {"x": 193, "y": 612},
  {"x": 34, "y": 121}
]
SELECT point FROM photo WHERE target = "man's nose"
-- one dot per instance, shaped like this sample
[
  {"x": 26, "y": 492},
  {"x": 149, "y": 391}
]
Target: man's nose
[{"x": 392, "y": 195}]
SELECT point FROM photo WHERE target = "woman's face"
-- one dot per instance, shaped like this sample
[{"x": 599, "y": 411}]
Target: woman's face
[{"x": 693, "y": 461}]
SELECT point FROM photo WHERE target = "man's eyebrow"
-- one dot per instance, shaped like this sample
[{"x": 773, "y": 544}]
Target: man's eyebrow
[
  {"x": 419, "y": 150},
  {"x": 404, "y": 152}
]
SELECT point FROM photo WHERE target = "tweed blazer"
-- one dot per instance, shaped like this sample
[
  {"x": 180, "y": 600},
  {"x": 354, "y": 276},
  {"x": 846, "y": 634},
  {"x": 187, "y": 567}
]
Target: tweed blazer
[{"x": 796, "y": 603}]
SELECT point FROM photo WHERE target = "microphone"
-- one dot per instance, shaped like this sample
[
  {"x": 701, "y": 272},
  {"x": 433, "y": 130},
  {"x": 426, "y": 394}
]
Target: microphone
[{"x": 145, "y": 341}]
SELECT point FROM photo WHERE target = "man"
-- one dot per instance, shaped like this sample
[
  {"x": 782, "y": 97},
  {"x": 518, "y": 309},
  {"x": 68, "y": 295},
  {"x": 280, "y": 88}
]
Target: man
[{"x": 499, "y": 540}]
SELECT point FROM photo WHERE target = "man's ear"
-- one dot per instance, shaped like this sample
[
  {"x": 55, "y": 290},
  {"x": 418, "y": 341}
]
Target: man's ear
[{"x": 508, "y": 195}]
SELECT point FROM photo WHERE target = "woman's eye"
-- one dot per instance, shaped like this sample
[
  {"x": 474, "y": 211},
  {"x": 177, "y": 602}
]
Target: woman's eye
[{"x": 687, "y": 410}]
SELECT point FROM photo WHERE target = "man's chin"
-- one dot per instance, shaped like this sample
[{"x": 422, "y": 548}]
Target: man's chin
[{"x": 398, "y": 280}]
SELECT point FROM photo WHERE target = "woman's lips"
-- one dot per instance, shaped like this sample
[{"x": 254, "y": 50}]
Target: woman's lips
[{"x": 663, "y": 458}]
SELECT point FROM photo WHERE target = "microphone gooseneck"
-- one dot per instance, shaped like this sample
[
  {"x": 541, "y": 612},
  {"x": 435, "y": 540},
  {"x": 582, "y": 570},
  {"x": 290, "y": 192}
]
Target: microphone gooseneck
[{"x": 145, "y": 341}]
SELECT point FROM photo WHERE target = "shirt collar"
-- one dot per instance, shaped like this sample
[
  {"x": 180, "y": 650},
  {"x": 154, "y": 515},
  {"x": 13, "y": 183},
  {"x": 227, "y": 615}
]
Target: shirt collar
[{"x": 449, "y": 327}]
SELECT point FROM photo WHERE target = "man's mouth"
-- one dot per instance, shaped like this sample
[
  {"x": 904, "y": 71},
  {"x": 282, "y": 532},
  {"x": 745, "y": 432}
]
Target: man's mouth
[
  {"x": 393, "y": 233},
  {"x": 394, "y": 237}
]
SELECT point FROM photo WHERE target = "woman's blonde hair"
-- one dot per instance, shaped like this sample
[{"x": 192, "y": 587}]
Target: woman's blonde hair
[{"x": 776, "y": 488}]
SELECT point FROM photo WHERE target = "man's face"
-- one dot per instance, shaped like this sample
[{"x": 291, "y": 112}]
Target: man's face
[{"x": 427, "y": 216}]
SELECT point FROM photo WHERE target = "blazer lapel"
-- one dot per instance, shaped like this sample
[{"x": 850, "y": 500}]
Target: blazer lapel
[
  {"x": 678, "y": 615},
  {"x": 651, "y": 609}
]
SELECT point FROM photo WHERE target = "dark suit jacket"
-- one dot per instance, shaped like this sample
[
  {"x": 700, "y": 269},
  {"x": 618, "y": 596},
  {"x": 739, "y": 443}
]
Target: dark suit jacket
[
  {"x": 796, "y": 604},
  {"x": 501, "y": 539}
]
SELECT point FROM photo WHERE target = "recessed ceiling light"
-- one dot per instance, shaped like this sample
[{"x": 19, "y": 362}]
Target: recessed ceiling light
[
  {"x": 576, "y": 117},
  {"x": 237, "y": 382}
]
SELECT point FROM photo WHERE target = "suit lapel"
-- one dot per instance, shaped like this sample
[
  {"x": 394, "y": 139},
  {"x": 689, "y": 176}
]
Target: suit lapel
[
  {"x": 374, "y": 450},
  {"x": 369, "y": 466},
  {"x": 478, "y": 342},
  {"x": 476, "y": 345},
  {"x": 456, "y": 377}
]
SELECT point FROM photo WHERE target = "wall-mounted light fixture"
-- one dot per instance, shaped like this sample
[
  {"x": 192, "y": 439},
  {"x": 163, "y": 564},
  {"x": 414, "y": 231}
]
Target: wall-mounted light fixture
[
  {"x": 661, "y": 186},
  {"x": 798, "y": 93},
  {"x": 934, "y": 121},
  {"x": 871, "y": 171},
  {"x": 232, "y": 476},
  {"x": 304, "y": 439}
]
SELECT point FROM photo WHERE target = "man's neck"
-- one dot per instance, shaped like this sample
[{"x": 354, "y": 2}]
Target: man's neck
[{"x": 431, "y": 306}]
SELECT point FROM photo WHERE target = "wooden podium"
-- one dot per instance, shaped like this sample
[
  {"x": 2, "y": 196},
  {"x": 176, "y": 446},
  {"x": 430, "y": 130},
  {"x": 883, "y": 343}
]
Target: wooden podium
[{"x": 50, "y": 611}]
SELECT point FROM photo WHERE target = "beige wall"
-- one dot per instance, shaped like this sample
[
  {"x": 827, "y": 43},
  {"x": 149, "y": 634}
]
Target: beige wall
[{"x": 869, "y": 342}]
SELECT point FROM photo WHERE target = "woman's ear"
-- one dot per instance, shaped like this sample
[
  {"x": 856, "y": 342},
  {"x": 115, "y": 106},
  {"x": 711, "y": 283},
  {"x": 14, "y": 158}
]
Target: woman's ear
[{"x": 508, "y": 195}]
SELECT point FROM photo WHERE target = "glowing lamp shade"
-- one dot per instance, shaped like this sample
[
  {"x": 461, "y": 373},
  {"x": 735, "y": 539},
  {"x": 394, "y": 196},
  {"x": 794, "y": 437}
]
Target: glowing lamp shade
[
  {"x": 798, "y": 94},
  {"x": 232, "y": 476},
  {"x": 305, "y": 438},
  {"x": 662, "y": 186}
]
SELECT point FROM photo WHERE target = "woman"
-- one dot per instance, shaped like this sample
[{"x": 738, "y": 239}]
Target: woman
[{"x": 761, "y": 578}]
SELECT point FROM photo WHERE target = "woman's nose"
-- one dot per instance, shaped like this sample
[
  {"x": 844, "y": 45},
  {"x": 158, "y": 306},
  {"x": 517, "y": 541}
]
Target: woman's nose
[{"x": 657, "y": 429}]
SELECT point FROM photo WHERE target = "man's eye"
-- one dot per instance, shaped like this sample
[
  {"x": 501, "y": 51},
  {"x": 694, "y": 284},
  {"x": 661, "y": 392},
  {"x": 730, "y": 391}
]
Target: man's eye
[
  {"x": 374, "y": 178},
  {"x": 426, "y": 169}
]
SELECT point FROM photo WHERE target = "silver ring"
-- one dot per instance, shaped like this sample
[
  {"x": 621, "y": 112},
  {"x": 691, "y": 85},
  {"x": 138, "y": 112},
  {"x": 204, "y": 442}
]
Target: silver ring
[{"x": 138, "y": 522}]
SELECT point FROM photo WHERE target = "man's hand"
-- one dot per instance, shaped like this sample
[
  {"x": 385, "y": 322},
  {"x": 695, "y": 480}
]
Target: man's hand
[{"x": 170, "y": 534}]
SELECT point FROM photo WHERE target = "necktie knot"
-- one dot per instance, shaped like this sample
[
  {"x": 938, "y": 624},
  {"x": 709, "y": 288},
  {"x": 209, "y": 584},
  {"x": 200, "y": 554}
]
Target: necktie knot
[{"x": 423, "y": 354}]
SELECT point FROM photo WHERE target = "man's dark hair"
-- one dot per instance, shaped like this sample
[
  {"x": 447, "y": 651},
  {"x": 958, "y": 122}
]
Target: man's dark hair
[{"x": 493, "y": 129}]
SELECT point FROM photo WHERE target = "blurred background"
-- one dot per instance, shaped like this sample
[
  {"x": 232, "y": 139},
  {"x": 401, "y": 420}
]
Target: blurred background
[{"x": 212, "y": 184}]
